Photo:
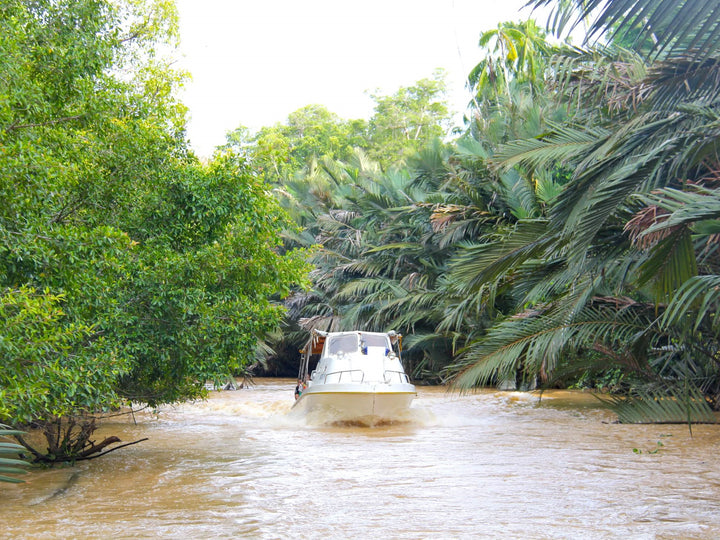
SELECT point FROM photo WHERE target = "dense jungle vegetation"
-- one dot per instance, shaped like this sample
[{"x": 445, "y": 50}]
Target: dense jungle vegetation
[
  {"x": 129, "y": 270},
  {"x": 567, "y": 234}
]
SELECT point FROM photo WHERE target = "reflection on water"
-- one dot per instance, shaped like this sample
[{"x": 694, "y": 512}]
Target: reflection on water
[{"x": 485, "y": 465}]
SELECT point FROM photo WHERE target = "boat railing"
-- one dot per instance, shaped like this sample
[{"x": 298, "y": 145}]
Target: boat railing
[
  {"x": 344, "y": 375},
  {"x": 351, "y": 376},
  {"x": 391, "y": 376}
]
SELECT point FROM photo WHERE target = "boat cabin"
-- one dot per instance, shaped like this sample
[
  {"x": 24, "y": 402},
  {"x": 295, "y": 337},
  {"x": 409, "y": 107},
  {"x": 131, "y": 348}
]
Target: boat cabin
[{"x": 352, "y": 357}]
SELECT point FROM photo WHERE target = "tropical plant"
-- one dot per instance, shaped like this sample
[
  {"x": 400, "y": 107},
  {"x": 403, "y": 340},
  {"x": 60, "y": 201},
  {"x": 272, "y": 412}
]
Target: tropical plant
[
  {"x": 280, "y": 151},
  {"x": 10, "y": 465},
  {"x": 387, "y": 234},
  {"x": 408, "y": 120},
  {"x": 385, "y": 239},
  {"x": 618, "y": 248},
  {"x": 128, "y": 270},
  {"x": 513, "y": 52}
]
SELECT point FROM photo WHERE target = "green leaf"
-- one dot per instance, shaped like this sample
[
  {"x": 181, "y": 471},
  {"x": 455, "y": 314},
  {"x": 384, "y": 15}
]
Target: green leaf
[
  {"x": 7, "y": 461},
  {"x": 12, "y": 470},
  {"x": 664, "y": 404},
  {"x": 11, "y": 480}
]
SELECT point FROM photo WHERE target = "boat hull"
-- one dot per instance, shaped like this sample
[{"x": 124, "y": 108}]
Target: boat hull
[{"x": 362, "y": 403}]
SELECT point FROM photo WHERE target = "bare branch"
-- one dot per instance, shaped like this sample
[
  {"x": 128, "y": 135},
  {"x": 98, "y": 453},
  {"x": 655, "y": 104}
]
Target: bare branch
[
  {"x": 112, "y": 449},
  {"x": 13, "y": 127}
]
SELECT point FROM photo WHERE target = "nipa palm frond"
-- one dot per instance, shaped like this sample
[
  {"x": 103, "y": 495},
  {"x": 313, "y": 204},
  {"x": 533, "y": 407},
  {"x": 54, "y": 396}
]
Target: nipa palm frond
[
  {"x": 683, "y": 79},
  {"x": 686, "y": 207},
  {"x": 664, "y": 403},
  {"x": 672, "y": 25},
  {"x": 534, "y": 339},
  {"x": 478, "y": 264},
  {"x": 670, "y": 264},
  {"x": 9, "y": 462},
  {"x": 563, "y": 144},
  {"x": 699, "y": 299}
]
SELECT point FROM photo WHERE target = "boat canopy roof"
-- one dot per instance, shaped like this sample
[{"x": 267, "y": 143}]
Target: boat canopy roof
[
  {"x": 316, "y": 343},
  {"x": 345, "y": 341}
]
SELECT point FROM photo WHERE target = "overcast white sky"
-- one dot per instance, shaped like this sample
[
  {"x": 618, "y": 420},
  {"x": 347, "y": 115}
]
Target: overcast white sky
[{"x": 255, "y": 61}]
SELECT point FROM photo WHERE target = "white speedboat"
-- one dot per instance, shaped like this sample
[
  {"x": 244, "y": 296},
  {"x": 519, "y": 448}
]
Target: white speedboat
[{"x": 353, "y": 377}]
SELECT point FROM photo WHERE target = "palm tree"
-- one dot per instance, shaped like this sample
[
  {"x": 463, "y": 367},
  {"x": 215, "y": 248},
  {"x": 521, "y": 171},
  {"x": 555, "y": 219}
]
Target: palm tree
[
  {"x": 618, "y": 247},
  {"x": 519, "y": 53},
  {"x": 384, "y": 240}
]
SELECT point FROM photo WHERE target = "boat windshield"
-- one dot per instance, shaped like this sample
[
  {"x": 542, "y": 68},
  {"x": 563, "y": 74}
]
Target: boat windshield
[
  {"x": 346, "y": 344},
  {"x": 374, "y": 340}
]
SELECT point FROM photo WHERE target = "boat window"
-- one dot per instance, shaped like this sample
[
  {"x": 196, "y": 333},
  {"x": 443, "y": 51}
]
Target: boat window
[
  {"x": 375, "y": 341},
  {"x": 347, "y": 343}
]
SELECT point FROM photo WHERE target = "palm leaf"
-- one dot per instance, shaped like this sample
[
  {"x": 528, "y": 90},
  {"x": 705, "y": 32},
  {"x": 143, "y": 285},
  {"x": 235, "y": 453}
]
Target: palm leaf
[
  {"x": 546, "y": 189},
  {"x": 673, "y": 25},
  {"x": 561, "y": 145},
  {"x": 687, "y": 207},
  {"x": 478, "y": 264},
  {"x": 698, "y": 298},
  {"x": 11, "y": 480},
  {"x": 683, "y": 79},
  {"x": 662, "y": 404},
  {"x": 671, "y": 263},
  {"x": 536, "y": 337},
  {"x": 11, "y": 465},
  {"x": 519, "y": 195},
  {"x": 589, "y": 204}
]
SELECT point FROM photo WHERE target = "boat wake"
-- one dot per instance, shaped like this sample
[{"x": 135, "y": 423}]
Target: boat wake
[{"x": 413, "y": 417}]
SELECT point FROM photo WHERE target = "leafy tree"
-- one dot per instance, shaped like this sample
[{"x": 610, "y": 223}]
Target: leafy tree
[
  {"x": 128, "y": 270},
  {"x": 408, "y": 120},
  {"x": 200, "y": 297},
  {"x": 402, "y": 123},
  {"x": 309, "y": 133}
]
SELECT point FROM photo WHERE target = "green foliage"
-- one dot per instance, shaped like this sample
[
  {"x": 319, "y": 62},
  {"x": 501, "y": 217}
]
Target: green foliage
[
  {"x": 386, "y": 239},
  {"x": 367, "y": 257},
  {"x": 388, "y": 235},
  {"x": 658, "y": 447},
  {"x": 402, "y": 123},
  {"x": 519, "y": 53},
  {"x": 571, "y": 232},
  {"x": 310, "y": 133},
  {"x": 630, "y": 236},
  {"x": 674, "y": 27},
  {"x": 200, "y": 296},
  {"x": 128, "y": 270},
  {"x": 10, "y": 465},
  {"x": 54, "y": 366},
  {"x": 664, "y": 404},
  {"x": 408, "y": 120}
]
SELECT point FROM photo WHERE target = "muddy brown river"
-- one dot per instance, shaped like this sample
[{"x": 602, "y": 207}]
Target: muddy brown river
[{"x": 485, "y": 465}]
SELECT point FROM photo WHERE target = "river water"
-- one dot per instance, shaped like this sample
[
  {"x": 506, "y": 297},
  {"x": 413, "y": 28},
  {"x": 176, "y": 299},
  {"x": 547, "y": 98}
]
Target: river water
[{"x": 485, "y": 465}]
